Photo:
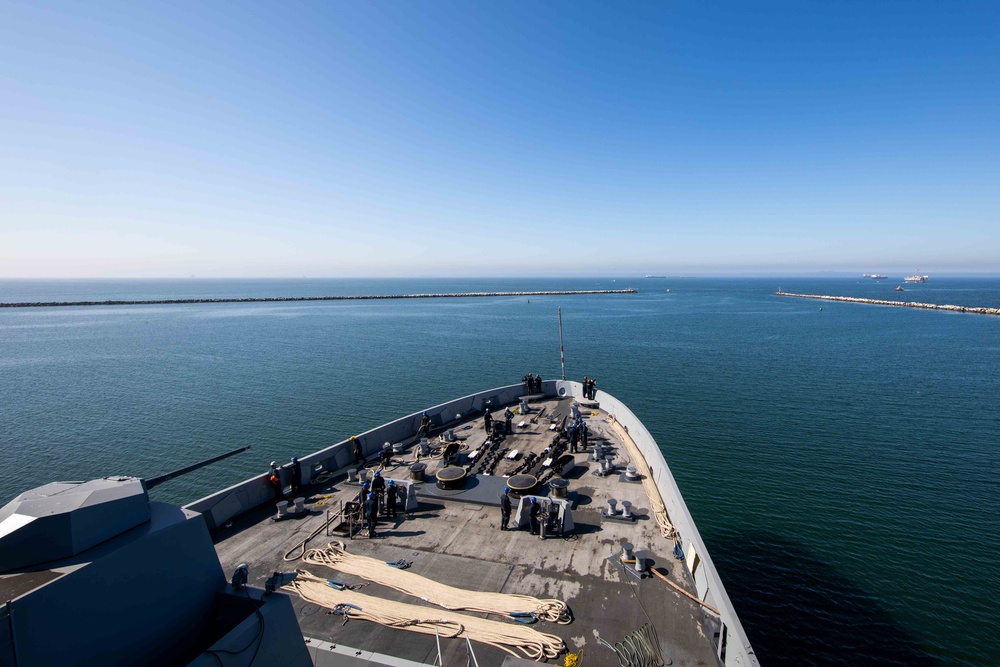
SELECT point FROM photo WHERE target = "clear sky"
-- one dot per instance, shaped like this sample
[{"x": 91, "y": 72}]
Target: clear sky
[{"x": 429, "y": 137}]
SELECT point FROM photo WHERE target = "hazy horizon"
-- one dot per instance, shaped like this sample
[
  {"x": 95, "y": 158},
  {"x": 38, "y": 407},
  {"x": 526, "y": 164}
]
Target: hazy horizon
[{"x": 890, "y": 276}]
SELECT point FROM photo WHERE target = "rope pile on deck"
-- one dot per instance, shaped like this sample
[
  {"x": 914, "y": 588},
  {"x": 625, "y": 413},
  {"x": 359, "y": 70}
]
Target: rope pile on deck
[
  {"x": 656, "y": 506},
  {"x": 335, "y": 556},
  {"x": 513, "y": 638}
]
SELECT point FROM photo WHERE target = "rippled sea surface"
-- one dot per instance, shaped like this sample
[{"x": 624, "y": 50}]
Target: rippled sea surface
[{"x": 841, "y": 460}]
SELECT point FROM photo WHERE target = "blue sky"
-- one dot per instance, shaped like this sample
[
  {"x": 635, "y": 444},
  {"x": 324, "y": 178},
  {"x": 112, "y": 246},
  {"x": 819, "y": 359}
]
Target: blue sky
[{"x": 498, "y": 138}]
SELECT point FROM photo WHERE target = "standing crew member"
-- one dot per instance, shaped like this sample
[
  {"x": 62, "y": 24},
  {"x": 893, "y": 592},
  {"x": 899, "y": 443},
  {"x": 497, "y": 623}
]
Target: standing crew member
[
  {"x": 378, "y": 488},
  {"x": 505, "y": 508},
  {"x": 533, "y": 515},
  {"x": 390, "y": 500},
  {"x": 574, "y": 437},
  {"x": 365, "y": 490},
  {"x": 275, "y": 479},
  {"x": 296, "y": 475},
  {"x": 584, "y": 429},
  {"x": 359, "y": 454},
  {"x": 488, "y": 421},
  {"x": 371, "y": 513},
  {"x": 508, "y": 418}
]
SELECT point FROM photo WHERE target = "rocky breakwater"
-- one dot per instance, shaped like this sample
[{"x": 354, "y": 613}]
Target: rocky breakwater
[
  {"x": 905, "y": 304},
  {"x": 273, "y": 299}
]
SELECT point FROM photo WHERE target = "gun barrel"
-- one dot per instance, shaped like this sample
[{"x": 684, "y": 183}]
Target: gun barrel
[{"x": 160, "y": 479}]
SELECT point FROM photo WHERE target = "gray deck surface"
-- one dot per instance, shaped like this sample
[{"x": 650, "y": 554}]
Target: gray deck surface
[{"x": 459, "y": 543}]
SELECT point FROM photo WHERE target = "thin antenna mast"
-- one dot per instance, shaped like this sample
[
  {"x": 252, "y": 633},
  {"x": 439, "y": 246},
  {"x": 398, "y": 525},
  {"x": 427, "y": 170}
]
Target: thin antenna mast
[{"x": 562, "y": 354}]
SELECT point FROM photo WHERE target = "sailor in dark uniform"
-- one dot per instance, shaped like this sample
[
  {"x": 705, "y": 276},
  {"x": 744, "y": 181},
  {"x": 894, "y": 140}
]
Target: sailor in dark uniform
[
  {"x": 359, "y": 454},
  {"x": 505, "y": 508},
  {"x": 371, "y": 513},
  {"x": 488, "y": 421},
  {"x": 378, "y": 488},
  {"x": 508, "y": 417},
  {"x": 296, "y": 475},
  {"x": 533, "y": 516},
  {"x": 390, "y": 500}
]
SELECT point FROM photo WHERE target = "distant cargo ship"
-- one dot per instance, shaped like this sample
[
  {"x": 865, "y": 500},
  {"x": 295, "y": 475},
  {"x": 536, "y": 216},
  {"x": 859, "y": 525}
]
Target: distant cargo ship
[
  {"x": 876, "y": 276},
  {"x": 916, "y": 278}
]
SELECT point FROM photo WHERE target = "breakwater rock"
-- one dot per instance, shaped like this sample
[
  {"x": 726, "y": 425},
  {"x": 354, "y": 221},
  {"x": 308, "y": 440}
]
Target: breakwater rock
[
  {"x": 905, "y": 304},
  {"x": 272, "y": 299}
]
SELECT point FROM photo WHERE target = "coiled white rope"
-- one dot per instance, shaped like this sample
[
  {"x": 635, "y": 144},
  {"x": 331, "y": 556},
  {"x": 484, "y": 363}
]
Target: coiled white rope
[
  {"x": 657, "y": 508},
  {"x": 513, "y": 638},
  {"x": 336, "y": 556}
]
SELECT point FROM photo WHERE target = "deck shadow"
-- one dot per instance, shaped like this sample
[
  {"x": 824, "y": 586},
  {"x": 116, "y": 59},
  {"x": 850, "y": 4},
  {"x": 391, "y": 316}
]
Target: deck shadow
[{"x": 798, "y": 610}]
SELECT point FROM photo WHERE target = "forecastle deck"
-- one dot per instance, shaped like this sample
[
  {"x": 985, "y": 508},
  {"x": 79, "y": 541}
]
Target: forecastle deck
[{"x": 456, "y": 540}]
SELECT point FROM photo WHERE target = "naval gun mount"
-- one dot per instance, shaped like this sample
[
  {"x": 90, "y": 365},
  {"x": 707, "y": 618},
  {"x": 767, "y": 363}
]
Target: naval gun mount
[
  {"x": 120, "y": 579},
  {"x": 63, "y": 519}
]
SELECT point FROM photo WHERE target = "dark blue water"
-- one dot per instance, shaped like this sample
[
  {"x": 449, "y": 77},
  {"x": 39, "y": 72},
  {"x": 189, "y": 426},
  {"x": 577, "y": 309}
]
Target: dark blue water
[{"x": 840, "y": 459}]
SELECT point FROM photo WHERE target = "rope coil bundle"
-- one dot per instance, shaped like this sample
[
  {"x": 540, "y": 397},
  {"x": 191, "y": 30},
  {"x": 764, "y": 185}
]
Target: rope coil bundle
[
  {"x": 639, "y": 649},
  {"x": 515, "y": 639},
  {"x": 657, "y": 508},
  {"x": 335, "y": 556}
]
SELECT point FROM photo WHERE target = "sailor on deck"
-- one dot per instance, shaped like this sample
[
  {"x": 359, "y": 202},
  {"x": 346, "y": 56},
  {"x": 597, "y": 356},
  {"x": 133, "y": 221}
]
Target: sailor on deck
[
  {"x": 359, "y": 454},
  {"x": 296, "y": 475},
  {"x": 378, "y": 488},
  {"x": 508, "y": 417},
  {"x": 390, "y": 500},
  {"x": 533, "y": 516},
  {"x": 371, "y": 513},
  {"x": 385, "y": 456},
  {"x": 274, "y": 478},
  {"x": 488, "y": 421},
  {"x": 505, "y": 508}
]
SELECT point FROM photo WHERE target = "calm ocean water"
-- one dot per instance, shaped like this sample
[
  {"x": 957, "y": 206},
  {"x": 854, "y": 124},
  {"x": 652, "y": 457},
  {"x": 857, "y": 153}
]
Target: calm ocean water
[{"x": 840, "y": 459}]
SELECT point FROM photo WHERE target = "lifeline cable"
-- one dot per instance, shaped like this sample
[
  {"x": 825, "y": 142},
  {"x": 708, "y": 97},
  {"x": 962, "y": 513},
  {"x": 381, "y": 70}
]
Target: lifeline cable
[
  {"x": 513, "y": 638},
  {"x": 505, "y": 604}
]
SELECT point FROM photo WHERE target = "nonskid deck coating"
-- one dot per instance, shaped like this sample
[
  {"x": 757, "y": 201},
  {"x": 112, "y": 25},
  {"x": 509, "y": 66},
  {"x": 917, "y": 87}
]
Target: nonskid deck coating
[{"x": 459, "y": 543}]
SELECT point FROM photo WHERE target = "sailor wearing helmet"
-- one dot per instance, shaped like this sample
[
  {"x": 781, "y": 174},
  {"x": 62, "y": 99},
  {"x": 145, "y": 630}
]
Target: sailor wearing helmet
[
  {"x": 505, "y": 508},
  {"x": 296, "y": 475}
]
